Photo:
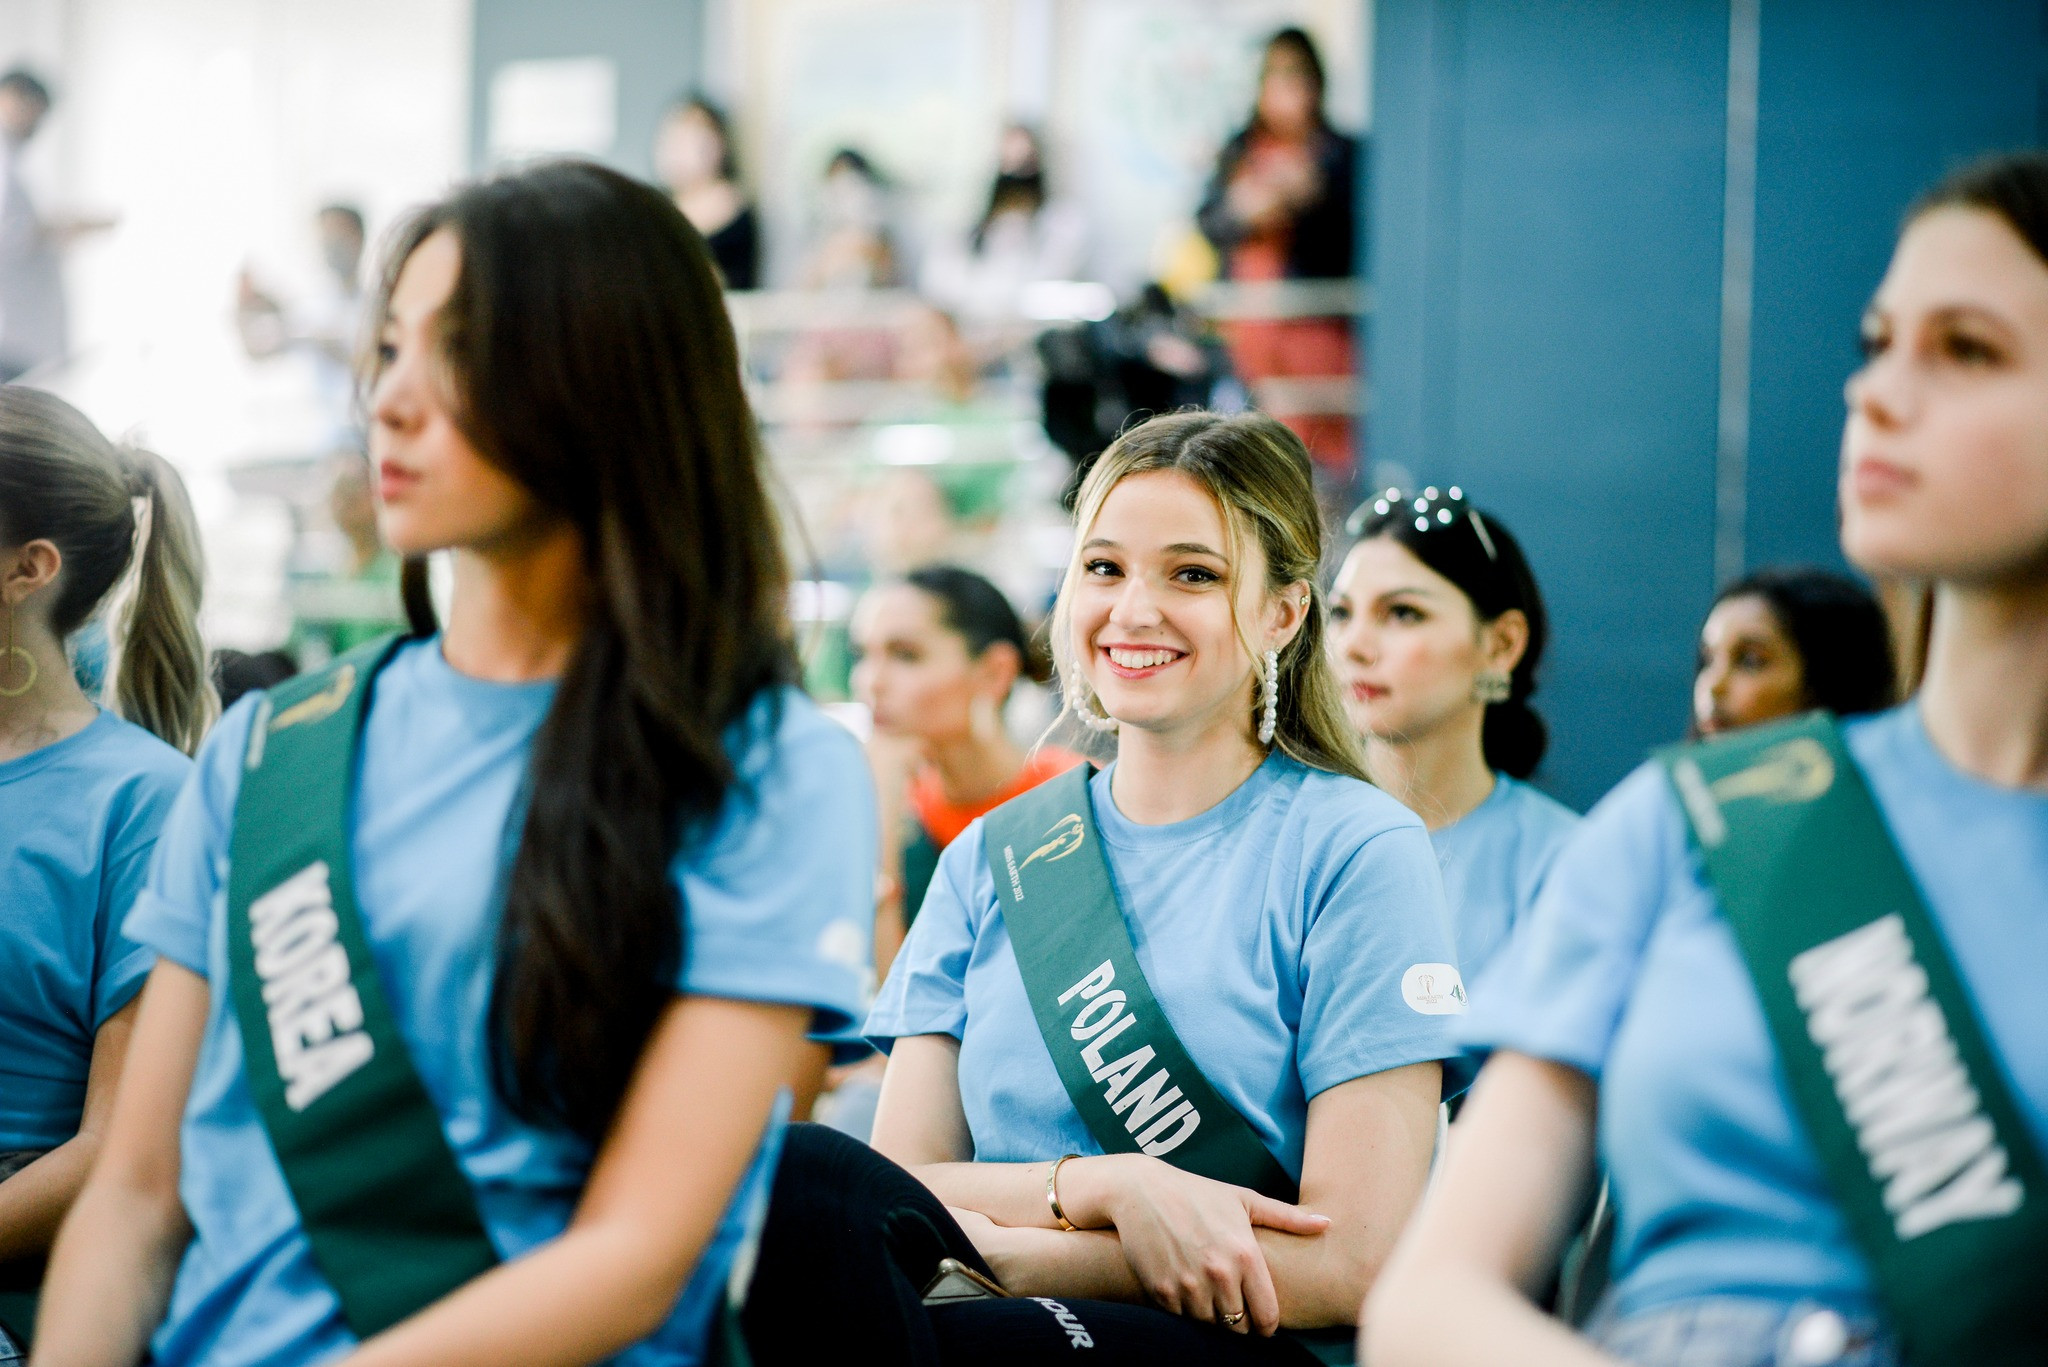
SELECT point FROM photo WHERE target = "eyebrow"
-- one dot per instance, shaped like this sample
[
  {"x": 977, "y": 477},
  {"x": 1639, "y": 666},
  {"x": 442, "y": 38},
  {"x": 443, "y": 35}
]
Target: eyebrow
[{"x": 1177, "y": 548}]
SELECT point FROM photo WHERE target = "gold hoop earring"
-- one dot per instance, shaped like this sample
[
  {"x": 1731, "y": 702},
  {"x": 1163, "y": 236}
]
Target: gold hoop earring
[{"x": 7, "y": 662}]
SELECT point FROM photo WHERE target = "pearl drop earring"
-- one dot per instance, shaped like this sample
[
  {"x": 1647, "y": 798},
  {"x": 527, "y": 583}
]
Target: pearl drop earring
[{"x": 1270, "y": 721}]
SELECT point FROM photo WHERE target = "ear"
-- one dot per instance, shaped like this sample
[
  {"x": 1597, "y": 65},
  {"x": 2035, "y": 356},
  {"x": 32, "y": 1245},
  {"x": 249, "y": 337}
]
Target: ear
[
  {"x": 1286, "y": 609},
  {"x": 1504, "y": 640},
  {"x": 27, "y": 570},
  {"x": 998, "y": 670}
]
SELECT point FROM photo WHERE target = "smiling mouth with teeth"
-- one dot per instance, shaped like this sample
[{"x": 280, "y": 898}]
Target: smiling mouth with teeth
[{"x": 1140, "y": 659}]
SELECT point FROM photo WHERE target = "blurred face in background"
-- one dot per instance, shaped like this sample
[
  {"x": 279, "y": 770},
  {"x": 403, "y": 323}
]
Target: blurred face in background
[
  {"x": 915, "y": 673},
  {"x": 20, "y": 114},
  {"x": 1288, "y": 94},
  {"x": 1750, "y": 670},
  {"x": 434, "y": 490},
  {"x": 1944, "y": 469},
  {"x": 689, "y": 149},
  {"x": 1408, "y": 646}
]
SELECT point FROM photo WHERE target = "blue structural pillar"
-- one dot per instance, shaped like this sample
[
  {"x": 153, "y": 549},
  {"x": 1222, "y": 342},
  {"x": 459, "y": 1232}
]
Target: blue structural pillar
[{"x": 1618, "y": 251}]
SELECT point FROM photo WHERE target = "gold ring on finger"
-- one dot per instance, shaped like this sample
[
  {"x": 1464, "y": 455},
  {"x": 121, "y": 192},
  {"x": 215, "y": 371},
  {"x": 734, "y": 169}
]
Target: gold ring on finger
[{"x": 1234, "y": 1318}]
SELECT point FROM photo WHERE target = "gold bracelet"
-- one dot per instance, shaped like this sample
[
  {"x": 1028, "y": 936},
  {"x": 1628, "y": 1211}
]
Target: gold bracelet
[{"x": 1052, "y": 1192}]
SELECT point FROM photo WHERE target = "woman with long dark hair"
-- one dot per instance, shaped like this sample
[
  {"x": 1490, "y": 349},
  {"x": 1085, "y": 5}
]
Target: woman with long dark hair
[
  {"x": 486, "y": 953},
  {"x": 83, "y": 793},
  {"x": 1784, "y": 985},
  {"x": 1436, "y": 632},
  {"x": 1164, "y": 1040}
]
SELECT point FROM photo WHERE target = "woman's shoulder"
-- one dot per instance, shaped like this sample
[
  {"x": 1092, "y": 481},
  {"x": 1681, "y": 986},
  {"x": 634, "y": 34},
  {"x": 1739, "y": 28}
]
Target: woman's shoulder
[
  {"x": 1338, "y": 807},
  {"x": 113, "y": 748},
  {"x": 783, "y": 726},
  {"x": 1536, "y": 813}
]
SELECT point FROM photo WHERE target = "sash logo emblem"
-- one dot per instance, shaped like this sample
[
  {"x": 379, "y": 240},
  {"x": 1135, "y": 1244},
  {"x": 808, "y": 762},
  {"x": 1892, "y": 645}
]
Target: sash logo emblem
[
  {"x": 321, "y": 705},
  {"x": 1062, "y": 838},
  {"x": 1799, "y": 770}
]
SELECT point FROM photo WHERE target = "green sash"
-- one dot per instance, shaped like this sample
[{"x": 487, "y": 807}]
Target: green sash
[
  {"x": 1881, "y": 1048},
  {"x": 390, "y": 1217},
  {"x": 1128, "y": 1074}
]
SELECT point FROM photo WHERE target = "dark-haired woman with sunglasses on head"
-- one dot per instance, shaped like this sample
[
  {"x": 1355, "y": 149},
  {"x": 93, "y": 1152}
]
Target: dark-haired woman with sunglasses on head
[
  {"x": 1436, "y": 629},
  {"x": 488, "y": 954}
]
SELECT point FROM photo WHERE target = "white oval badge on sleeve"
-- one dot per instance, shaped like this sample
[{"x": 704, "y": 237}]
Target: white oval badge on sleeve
[{"x": 1434, "y": 989}]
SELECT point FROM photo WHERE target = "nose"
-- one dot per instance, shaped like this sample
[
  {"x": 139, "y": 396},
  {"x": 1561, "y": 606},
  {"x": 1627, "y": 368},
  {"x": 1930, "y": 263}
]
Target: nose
[
  {"x": 395, "y": 397},
  {"x": 1135, "y": 605},
  {"x": 1356, "y": 640},
  {"x": 1881, "y": 392}
]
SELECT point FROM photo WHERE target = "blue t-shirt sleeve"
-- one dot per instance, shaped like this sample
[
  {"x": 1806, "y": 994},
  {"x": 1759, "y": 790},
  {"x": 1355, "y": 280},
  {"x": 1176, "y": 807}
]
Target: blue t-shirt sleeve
[
  {"x": 779, "y": 897},
  {"x": 1557, "y": 989},
  {"x": 187, "y": 880},
  {"x": 122, "y": 963},
  {"x": 926, "y": 993},
  {"x": 1378, "y": 914}
]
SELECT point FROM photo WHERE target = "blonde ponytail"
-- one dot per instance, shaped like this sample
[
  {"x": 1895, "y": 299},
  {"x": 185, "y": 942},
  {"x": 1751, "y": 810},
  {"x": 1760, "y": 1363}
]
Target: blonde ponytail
[{"x": 160, "y": 680}]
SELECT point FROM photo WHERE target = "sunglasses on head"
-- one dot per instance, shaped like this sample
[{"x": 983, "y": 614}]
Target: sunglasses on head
[{"x": 1431, "y": 510}]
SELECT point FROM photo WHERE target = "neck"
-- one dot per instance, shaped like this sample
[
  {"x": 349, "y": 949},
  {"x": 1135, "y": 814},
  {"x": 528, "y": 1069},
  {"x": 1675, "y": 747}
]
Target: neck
[
  {"x": 1440, "y": 776},
  {"x": 1984, "y": 699},
  {"x": 517, "y": 612},
  {"x": 972, "y": 769},
  {"x": 1164, "y": 777},
  {"x": 55, "y": 709}
]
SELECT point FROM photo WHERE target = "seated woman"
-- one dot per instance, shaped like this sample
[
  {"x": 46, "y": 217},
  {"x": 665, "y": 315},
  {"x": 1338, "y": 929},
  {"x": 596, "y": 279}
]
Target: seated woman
[
  {"x": 1783, "y": 641},
  {"x": 83, "y": 793},
  {"x": 937, "y": 654},
  {"x": 1171, "y": 1076},
  {"x": 1784, "y": 986},
  {"x": 1436, "y": 629},
  {"x": 486, "y": 953}
]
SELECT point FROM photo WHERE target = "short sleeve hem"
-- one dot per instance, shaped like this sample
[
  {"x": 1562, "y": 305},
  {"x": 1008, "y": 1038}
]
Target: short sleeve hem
[
  {"x": 1328, "y": 1073},
  {"x": 827, "y": 993},
  {"x": 121, "y": 982},
  {"x": 157, "y": 925}
]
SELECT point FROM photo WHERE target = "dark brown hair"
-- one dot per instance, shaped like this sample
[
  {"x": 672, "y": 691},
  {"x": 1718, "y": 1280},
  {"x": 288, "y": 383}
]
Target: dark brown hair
[
  {"x": 590, "y": 358},
  {"x": 63, "y": 482}
]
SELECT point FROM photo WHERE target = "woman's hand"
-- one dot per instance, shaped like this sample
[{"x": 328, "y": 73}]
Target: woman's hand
[{"x": 1189, "y": 1241}]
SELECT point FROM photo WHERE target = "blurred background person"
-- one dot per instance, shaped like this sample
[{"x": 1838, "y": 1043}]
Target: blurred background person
[
  {"x": 937, "y": 656},
  {"x": 1436, "y": 631},
  {"x": 852, "y": 242},
  {"x": 34, "y": 328},
  {"x": 1282, "y": 205},
  {"x": 1024, "y": 236},
  {"x": 347, "y": 594},
  {"x": 694, "y": 157},
  {"x": 1783, "y": 641},
  {"x": 322, "y": 325}
]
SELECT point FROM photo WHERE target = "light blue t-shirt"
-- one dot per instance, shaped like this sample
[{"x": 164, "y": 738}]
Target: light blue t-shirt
[
  {"x": 1627, "y": 971},
  {"x": 777, "y": 896},
  {"x": 1278, "y": 931},
  {"x": 77, "y": 822},
  {"x": 1494, "y": 859}
]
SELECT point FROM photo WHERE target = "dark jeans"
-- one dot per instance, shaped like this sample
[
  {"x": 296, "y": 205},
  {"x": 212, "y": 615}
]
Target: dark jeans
[{"x": 852, "y": 1239}]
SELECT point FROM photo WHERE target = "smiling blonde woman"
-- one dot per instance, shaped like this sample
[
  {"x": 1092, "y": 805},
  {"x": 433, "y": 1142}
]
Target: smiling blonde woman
[{"x": 1171, "y": 1078}]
